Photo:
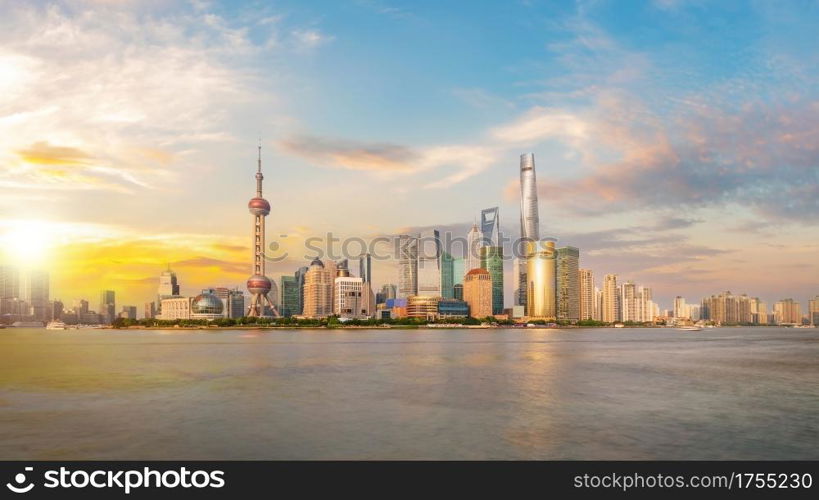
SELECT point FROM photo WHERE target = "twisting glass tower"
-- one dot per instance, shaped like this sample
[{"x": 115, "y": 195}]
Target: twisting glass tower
[
  {"x": 258, "y": 284},
  {"x": 529, "y": 220}
]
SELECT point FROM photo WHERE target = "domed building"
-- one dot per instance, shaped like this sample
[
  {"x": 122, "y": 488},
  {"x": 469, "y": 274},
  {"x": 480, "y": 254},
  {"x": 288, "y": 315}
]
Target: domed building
[{"x": 207, "y": 306}]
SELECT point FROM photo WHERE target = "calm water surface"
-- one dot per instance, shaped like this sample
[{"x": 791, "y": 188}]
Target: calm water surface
[{"x": 729, "y": 393}]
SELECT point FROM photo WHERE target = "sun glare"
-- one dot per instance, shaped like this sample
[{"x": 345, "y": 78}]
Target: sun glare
[{"x": 26, "y": 242}]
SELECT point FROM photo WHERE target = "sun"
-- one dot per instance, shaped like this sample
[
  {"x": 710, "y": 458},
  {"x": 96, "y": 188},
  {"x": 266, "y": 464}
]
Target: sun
[{"x": 25, "y": 242}]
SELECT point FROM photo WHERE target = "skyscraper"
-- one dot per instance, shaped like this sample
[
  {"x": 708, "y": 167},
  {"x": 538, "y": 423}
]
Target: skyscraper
[
  {"x": 429, "y": 264},
  {"x": 813, "y": 311},
  {"x": 350, "y": 297},
  {"x": 365, "y": 268},
  {"x": 407, "y": 266},
  {"x": 492, "y": 261},
  {"x": 681, "y": 309},
  {"x": 35, "y": 293},
  {"x": 540, "y": 276},
  {"x": 610, "y": 312},
  {"x": 458, "y": 271},
  {"x": 598, "y": 304},
  {"x": 447, "y": 276},
  {"x": 629, "y": 301},
  {"x": 300, "y": 274},
  {"x": 233, "y": 301},
  {"x": 478, "y": 293},
  {"x": 490, "y": 226},
  {"x": 788, "y": 311},
  {"x": 108, "y": 307},
  {"x": 519, "y": 275},
  {"x": 529, "y": 219},
  {"x": 290, "y": 296},
  {"x": 474, "y": 241},
  {"x": 388, "y": 291},
  {"x": 586, "y": 294},
  {"x": 318, "y": 291},
  {"x": 9, "y": 289},
  {"x": 259, "y": 284},
  {"x": 150, "y": 310},
  {"x": 168, "y": 288},
  {"x": 568, "y": 283}
]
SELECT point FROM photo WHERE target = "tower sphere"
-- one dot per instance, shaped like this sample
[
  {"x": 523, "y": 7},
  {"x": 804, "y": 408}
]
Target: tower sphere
[
  {"x": 258, "y": 284},
  {"x": 258, "y": 206},
  {"x": 207, "y": 303}
]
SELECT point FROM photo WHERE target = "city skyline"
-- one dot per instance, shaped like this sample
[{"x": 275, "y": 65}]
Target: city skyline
[{"x": 649, "y": 167}]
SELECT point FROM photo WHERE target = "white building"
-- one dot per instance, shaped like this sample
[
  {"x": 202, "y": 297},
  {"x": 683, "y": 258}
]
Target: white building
[
  {"x": 352, "y": 298},
  {"x": 176, "y": 308}
]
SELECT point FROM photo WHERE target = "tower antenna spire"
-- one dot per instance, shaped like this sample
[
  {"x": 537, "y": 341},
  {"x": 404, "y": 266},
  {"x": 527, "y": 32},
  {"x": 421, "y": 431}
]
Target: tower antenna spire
[{"x": 260, "y": 155}]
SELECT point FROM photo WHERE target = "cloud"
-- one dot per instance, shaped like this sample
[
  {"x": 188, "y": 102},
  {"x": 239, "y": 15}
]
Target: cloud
[
  {"x": 217, "y": 265},
  {"x": 351, "y": 154},
  {"x": 310, "y": 38},
  {"x": 543, "y": 123},
  {"x": 44, "y": 153},
  {"x": 458, "y": 162},
  {"x": 145, "y": 88}
]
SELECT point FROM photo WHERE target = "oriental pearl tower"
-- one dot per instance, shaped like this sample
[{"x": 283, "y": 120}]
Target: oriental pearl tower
[{"x": 258, "y": 284}]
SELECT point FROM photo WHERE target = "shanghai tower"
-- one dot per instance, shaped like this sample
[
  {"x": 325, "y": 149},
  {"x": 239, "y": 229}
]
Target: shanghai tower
[
  {"x": 258, "y": 284},
  {"x": 529, "y": 222}
]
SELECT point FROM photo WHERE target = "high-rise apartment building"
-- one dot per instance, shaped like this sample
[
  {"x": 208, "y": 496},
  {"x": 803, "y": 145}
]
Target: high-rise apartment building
[
  {"x": 610, "y": 300},
  {"x": 681, "y": 309},
  {"x": 586, "y": 294},
  {"x": 727, "y": 309},
  {"x": 629, "y": 301},
  {"x": 813, "y": 311},
  {"x": 788, "y": 312},
  {"x": 759, "y": 312},
  {"x": 598, "y": 304}
]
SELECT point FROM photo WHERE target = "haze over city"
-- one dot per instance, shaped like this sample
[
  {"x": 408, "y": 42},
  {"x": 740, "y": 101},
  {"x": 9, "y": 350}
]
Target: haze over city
[{"x": 681, "y": 155}]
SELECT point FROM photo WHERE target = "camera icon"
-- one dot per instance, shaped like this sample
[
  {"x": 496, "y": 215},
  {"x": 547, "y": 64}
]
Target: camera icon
[{"x": 20, "y": 478}]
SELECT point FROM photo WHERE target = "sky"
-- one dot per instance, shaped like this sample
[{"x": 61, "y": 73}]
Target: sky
[{"x": 675, "y": 141}]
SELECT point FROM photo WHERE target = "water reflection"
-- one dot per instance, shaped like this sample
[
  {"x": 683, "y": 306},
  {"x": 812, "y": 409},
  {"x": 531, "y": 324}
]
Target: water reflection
[{"x": 629, "y": 394}]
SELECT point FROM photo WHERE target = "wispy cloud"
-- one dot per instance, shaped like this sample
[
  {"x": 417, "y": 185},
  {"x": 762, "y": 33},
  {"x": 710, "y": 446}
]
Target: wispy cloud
[{"x": 457, "y": 162}]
